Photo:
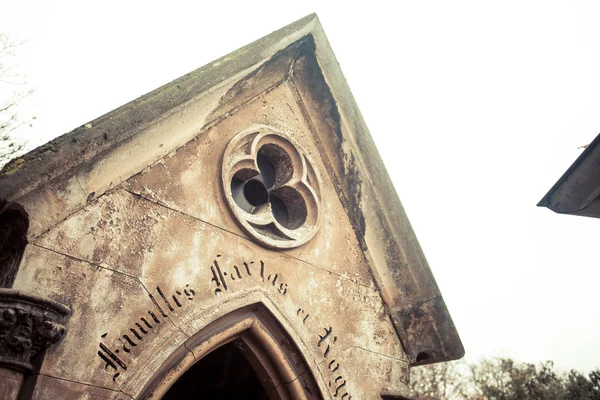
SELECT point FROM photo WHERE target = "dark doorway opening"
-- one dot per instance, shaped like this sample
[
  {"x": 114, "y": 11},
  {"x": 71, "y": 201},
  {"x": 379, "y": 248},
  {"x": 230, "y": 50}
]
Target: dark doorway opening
[{"x": 222, "y": 374}]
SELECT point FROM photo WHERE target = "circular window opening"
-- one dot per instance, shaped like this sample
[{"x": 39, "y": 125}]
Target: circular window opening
[
  {"x": 274, "y": 164},
  {"x": 266, "y": 169},
  {"x": 280, "y": 211},
  {"x": 271, "y": 187},
  {"x": 289, "y": 208},
  {"x": 256, "y": 193}
]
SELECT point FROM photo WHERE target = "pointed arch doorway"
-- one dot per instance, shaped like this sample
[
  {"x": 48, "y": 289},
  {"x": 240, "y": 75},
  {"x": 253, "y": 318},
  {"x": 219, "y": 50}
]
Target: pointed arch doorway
[
  {"x": 224, "y": 373},
  {"x": 244, "y": 355}
]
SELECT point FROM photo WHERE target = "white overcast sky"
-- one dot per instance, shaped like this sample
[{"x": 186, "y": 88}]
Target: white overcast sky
[{"x": 477, "y": 108}]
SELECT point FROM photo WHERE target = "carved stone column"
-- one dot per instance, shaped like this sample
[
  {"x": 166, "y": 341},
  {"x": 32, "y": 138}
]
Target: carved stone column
[{"x": 28, "y": 325}]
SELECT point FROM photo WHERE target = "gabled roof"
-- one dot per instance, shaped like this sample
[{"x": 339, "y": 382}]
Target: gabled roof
[
  {"x": 59, "y": 178},
  {"x": 577, "y": 192}
]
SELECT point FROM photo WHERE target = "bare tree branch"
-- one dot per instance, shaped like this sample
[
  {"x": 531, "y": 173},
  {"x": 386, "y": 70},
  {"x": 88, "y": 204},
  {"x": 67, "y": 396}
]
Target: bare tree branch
[{"x": 13, "y": 91}]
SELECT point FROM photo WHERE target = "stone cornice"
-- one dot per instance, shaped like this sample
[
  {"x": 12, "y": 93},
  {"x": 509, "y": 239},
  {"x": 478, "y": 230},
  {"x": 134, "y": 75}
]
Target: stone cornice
[{"x": 28, "y": 325}]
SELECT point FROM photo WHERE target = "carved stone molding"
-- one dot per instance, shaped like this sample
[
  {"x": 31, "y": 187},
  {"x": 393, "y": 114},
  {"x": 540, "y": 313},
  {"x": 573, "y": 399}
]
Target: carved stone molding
[
  {"x": 272, "y": 187},
  {"x": 28, "y": 325}
]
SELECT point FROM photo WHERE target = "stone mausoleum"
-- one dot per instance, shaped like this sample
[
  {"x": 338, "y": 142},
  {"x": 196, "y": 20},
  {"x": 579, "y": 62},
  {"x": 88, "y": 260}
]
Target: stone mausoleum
[{"x": 230, "y": 235}]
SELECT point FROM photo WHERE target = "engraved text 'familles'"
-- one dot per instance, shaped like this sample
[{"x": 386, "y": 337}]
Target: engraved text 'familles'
[
  {"x": 223, "y": 278},
  {"x": 161, "y": 307}
]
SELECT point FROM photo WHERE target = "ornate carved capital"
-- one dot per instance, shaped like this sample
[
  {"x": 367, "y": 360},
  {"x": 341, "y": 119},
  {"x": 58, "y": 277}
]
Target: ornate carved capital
[{"x": 28, "y": 325}]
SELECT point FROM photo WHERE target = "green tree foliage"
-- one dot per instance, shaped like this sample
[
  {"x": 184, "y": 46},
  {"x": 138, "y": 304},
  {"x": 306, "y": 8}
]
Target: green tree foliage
[
  {"x": 439, "y": 381},
  {"x": 579, "y": 387},
  {"x": 502, "y": 379}
]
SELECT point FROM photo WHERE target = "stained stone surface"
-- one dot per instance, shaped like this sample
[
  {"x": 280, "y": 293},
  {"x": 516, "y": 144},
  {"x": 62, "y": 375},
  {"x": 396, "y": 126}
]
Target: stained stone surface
[
  {"x": 51, "y": 388},
  {"x": 10, "y": 383},
  {"x": 123, "y": 248},
  {"x": 140, "y": 236},
  {"x": 334, "y": 247}
]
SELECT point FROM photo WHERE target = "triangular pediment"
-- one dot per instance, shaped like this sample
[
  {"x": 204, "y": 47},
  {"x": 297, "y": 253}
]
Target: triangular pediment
[{"x": 263, "y": 152}]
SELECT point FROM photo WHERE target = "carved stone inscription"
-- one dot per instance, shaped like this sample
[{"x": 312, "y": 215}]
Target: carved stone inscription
[
  {"x": 223, "y": 278},
  {"x": 220, "y": 276},
  {"x": 336, "y": 380},
  {"x": 161, "y": 306},
  {"x": 325, "y": 341}
]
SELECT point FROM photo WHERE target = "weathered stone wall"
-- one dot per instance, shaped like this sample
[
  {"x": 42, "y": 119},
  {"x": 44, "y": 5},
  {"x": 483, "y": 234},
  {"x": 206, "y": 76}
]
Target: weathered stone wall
[
  {"x": 145, "y": 238},
  {"x": 147, "y": 265}
]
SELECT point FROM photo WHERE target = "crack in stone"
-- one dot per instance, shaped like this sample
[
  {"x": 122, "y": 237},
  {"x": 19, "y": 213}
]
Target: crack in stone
[
  {"x": 87, "y": 262},
  {"x": 68, "y": 216},
  {"x": 288, "y": 382},
  {"x": 168, "y": 316},
  {"x": 140, "y": 196},
  {"x": 347, "y": 349},
  {"x": 137, "y": 279},
  {"x": 188, "y": 349},
  {"x": 82, "y": 383}
]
